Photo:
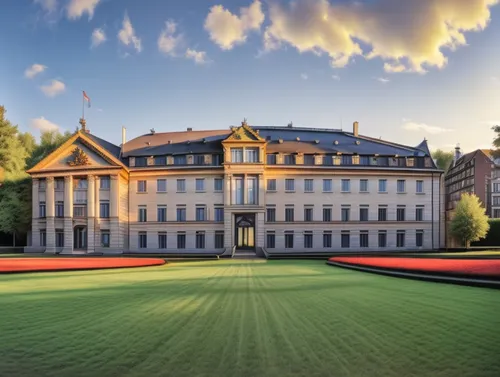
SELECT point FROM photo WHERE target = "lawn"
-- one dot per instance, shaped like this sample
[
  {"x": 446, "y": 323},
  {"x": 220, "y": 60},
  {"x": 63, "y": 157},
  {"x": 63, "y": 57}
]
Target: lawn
[{"x": 244, "y": 318}]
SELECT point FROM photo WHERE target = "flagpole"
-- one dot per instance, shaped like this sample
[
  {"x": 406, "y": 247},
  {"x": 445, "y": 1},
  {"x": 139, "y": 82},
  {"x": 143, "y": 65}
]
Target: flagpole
[{"x": 83, "y": 106}]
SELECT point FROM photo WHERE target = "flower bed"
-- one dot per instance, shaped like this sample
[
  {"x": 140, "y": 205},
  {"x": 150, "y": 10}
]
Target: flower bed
[
  {"x": 455, "y": 267},
  {"x": 61, "y": 264}
]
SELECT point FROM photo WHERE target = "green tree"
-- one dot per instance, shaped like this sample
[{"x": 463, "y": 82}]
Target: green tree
[
  {"x": 496, "y": 141},
  {"x": 470, "y": 222},
  {"x": 49, "y": 141},
  {"x": 15, "y": 206},
  {"x": 13, "y": 154},
  {"x": 443, "y": 159}
]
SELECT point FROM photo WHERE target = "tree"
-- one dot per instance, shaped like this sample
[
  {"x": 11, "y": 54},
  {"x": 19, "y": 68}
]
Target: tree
[
  {"x": 443, "y": 159},
  {"x": 470, "y": 222},
  {"x": 49, "y": 141},
  {"x": 13, "y": 154},
  {"x": 15, "y": 206},
  {"x": 496, "y": 141}
]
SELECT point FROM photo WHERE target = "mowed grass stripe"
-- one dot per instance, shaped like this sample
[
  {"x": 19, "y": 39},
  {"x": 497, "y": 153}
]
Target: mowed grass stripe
[{"x": 245, "y": 318}]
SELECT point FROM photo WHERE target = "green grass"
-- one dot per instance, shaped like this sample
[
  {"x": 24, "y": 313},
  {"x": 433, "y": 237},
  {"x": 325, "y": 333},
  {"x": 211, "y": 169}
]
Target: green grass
[{"x": 244, "y": 318}]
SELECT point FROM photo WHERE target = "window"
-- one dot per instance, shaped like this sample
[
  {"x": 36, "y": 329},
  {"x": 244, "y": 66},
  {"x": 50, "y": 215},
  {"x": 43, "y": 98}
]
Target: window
[
  {"x": 143, "y": 240},
  {"x": 181, "y": 240},
  {"x": 496, "y": 187},
  {"x": 271, "y": 159},
  {"x": 382, "y": 238},
  {"x": 200, "y": 184},
  {"x": 238, "y": 182},
  {"x": 219, "y": 214},
  {"x": 419, "y": 213},
  {"x": 363, "y": 185},
  {"x": 161, "y": 213},
  {"x": 199, "y": 159},
  {"x": 181, "y": 185},
  {"x": 79, "y": 197},
  {"x": 496, "y": 213},
  {"x": 289, "y": 185},
  {"x": 270, "y": 214},
  {"x": 401, "y": 186},
  {"x": 251, "y": 154},
  {"x": 496, "y": 200},
  {"x": 289, "y": 159},
  {"x": 345, "y": 213},
  {"x": 309, "y": 159},
  {"x": 363, "y": 238},
  {"x": 400, "y": 213},
  {"x": 162, "y": 240},
  {"x": 308, "y": 240},
  {"x": 59, "y": 238},
  {"x": 327, "y": 214},
  {"x": 180, "y": 160},
  {"x": 59, "y": 209},
  {"x": 308, "y": 185},
  {"x": 105, "y": 238},
  {"x": 252, "y": 190},
  {"x": 236, "y": 154},
  {"x": 363, "y": 213},
  {"x": 289, "y": 214},
  {"x": 382, "y": 185},
  {"x": 345, "y": 239},
  {"x": 288, "y": 240},
  {"x": 160, "y": 160},
  {"x": 142, "y": 186},
  {"x": 143, "y": 214},
  {"x": 41, "y": 209},
  {"x": 271, "y": 185},
  {"x": 270, "y": 240},
  {"x": 345, "y": 185},
  {"x": 81, "y": 184},
  {"x": 181, "y": 214},
  {"x": 141, "y": 161},
  {"x": 218, "y": 185},
  {"x": 308, "y": 214},
  {"x": 419, "y": 238},
  {"x": 382, "y": 213},
  {"x": 161, "y": 185},
  {"x": 420, "y": 187},
  {"x": 80, "y": 210},
  {"x": 327, "y": 185},
  {"x": 59, "y": 184},
  {"x": 327, "y": 240},
  {"x": 104, "y": 209},
  {"x": 346, "y": 160},
  {"x": 105, "y": 183},
  {"x": 42, "y": 185},
  {"x": 400, "y": 238},
  {"x": 219, "y": 239},
  {"x": 200, "y": 213},
  {"x": 200, "y": 240},
  {"x": 43, "y": 237}
]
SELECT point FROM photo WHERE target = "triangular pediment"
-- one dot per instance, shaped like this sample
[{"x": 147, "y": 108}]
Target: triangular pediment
[
  {"x": 243, "y": 133},
  {"x": 79, "y": 152}
]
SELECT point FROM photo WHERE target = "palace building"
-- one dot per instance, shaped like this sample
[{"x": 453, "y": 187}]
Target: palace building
[{"x": 274, "y": 189}]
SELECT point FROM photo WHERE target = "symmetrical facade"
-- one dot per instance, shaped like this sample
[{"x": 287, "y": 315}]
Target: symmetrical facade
[{"x": 284, "y": 189}]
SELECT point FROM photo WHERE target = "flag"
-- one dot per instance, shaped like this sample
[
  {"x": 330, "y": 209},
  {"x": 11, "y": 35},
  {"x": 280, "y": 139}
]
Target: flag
[{"x": 86, "y": 97}]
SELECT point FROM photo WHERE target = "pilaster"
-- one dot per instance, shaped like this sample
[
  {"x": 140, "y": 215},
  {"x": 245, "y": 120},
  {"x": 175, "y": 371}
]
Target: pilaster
[
  {"x": 227, "y": 191},
  {"x": 35, "y": 187},
  {"x": 91, "y": 213},
  {"x": 68, "y": 215},
  {"x": 114, "y": 205},
  {"x": 262, "y": 194},
  {"x": 50, "y": 211},
  {"x": 259, "y": 239}
]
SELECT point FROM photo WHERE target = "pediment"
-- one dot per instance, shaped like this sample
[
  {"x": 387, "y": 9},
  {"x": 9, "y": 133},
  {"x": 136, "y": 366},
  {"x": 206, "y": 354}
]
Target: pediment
[{"x": 243, "y": 133}]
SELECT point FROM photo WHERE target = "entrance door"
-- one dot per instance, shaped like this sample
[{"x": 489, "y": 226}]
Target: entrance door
[
  {"x": 80, "y": 237},
  {"x": 245, "y": 231}
]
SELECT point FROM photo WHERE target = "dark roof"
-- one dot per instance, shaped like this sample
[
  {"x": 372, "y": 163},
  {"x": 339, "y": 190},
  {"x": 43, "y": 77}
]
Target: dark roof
[{"x": 111, "y": 148}]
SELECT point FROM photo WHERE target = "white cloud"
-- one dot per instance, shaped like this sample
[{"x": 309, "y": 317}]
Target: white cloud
[
  {"x": 408, "y": 35},
  {"x": 383, "y": 80},
  {"x": 227, "y": 29},
  {"x": 304, "y": 76},
  {"x": 43, "y": 124},
  {"x": 48, "y": 6},
  {"x": 98, "y": 37},
  {"x": 53, "y": 89},
  {"x": 168, "y": 42},
  {"x": 336, "y": 77},
  {"x": 199, "y": 57},
  {"x": 127, "y": 36},
  {"x": 34, "y": 70},
  {"x": 76, "y": 8},
  {"x": 434, "y": 130}
]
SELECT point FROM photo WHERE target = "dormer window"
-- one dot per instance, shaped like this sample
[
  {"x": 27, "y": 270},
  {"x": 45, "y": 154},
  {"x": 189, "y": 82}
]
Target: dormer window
[
  {"x": 140, "y": 161},
  {"x": 237, "y": 155},
  {"x": 251, "y": 154},
  {"x": 180, "y": 160},
  {"x": 240, "y": 155},
  {"x": 289, "y": 159}
]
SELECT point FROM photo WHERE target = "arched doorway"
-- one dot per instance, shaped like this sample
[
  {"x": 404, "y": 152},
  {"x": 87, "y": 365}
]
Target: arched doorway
[
  {"x": 245, "y": 231},
  {"x": 80, "y": 237}
]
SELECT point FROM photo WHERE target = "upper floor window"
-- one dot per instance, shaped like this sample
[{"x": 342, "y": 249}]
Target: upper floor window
[
  {"x": 41, "y": 209},
  {"x": 382, "y": 213},
  {"x": 419, "y": 213},
  {"x": 201, "y": 213},
  {"x": 141, "y": 161},
  {"x": 219, "y": 214},
  {"x": 289, "y": 214},
  {"x": 142, "y": 186},
  {"x": 161, "y": 213},
  {"x": 327, "y": 214},
  {"x": 363, "y": 213},
  {"x": 161, "y": 185},
  {"x": 199, "y": 159},
  {"x": 59, "y": 209},
  {"x": 42, "y": 184},
  {"x": 328, "y": 160},
  {"x": 59, "y": 184},
  {"x": 308, "y": 185},
  {"x": 420, "y": 187},
  {"x": 496, "y": 187},
  {"x": 217, "y": 159},
  {"x": 289, "y": 159},
  {"x": 345, "y": 214},
  {"x": 181, "y": 213},
  {"x": 81, "y": 184},
  {"x": 327, "y": 185},
  {"x": 382, "y": 185},
  {"x": 271, "y": 184},
  {"x": 346, "y": 160},
  {"x": 160, "y": 160},
  {"x": 236, "y": 154},
  {"x": 105, "y": 183},
  {"x": 363, "y": 185},
  {"x": 252, "y": 190},
  {"x": 251, "y": 154},
  {"x": 104, "y": 209},
  {"x": 346, "y": 185},
  {"x": 181, "y": 185},
  {"x": 200, "y": 184},
  {"x": 308, "y": 159},
  {"x": 289, "y": 185},
  {"x": 271, "y": 159},
  {"x": 218, "y": 184},
  {"x": 401, "y": 186},
  {"x": 270, "y": 214},
  {"x": 400, "y": 213},
  {"x": 143, "y": 214},
  {"x": 180, "y": 160}
]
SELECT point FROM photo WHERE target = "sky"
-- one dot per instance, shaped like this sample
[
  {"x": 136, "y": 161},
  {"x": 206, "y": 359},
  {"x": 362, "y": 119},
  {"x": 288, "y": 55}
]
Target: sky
[{"x": 405, "y": 69}]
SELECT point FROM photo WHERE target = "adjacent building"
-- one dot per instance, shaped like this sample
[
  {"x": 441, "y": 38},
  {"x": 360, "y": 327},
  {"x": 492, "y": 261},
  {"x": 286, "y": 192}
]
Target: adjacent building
[{"x": 283, "y": 189}]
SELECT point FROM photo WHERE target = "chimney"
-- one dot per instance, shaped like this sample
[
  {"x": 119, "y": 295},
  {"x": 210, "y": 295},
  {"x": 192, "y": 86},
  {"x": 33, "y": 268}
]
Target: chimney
[
  {"x": 458, "y": 154},
  {"x": 124, "y": 135},
  {"x": 189, "y": 129},
  {"x": 355, "y": 128}
]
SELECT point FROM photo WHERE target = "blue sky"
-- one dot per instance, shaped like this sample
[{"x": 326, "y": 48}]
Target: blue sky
[{"x": 404, "y": 69}]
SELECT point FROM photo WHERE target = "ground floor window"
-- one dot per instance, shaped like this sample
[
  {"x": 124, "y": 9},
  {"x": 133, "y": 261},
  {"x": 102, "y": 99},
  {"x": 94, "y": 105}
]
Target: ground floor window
[
  {"x": 143, "y": 240},
  {"x": 162, "y": 240},
  {"x": 419, "y": 239},
  {"x": 105, "y": 238},
  {"x": 382, "y": 238},
  {"x": 496, "y": 213},
  {"x": 345, "y": 240},
  {"x": 308, "y": 240},
  {"x": 400, "y": 238},
  {"x": 181, "y": 240},
  {"x": 363, "y": 238},
  {"x": 200, "y": 240},
  {"x": 289, "y": 240},
  {"x": 59, "y": 238},
  {"x": 43, "y": 237},
  {"x": 270, "y": 240},
  {"x": 219, "y": 240},
  {"x": 327, "y": 240}
]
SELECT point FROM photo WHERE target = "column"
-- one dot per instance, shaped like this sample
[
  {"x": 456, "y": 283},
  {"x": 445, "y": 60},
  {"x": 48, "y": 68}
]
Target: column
[
  {"x": 50, "y": 212},
  {"x": 228, "y": 236},
  {"x": 262, "y": 191},
  {"x": 245, "y": 189},
  {"x": 35, "y": 226},
  {"x": 227, "y": 191},
  {"x": 68, "y": 214},
  {"x": 114, "y": 206},
  {"x": 90, "y": 213}
]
